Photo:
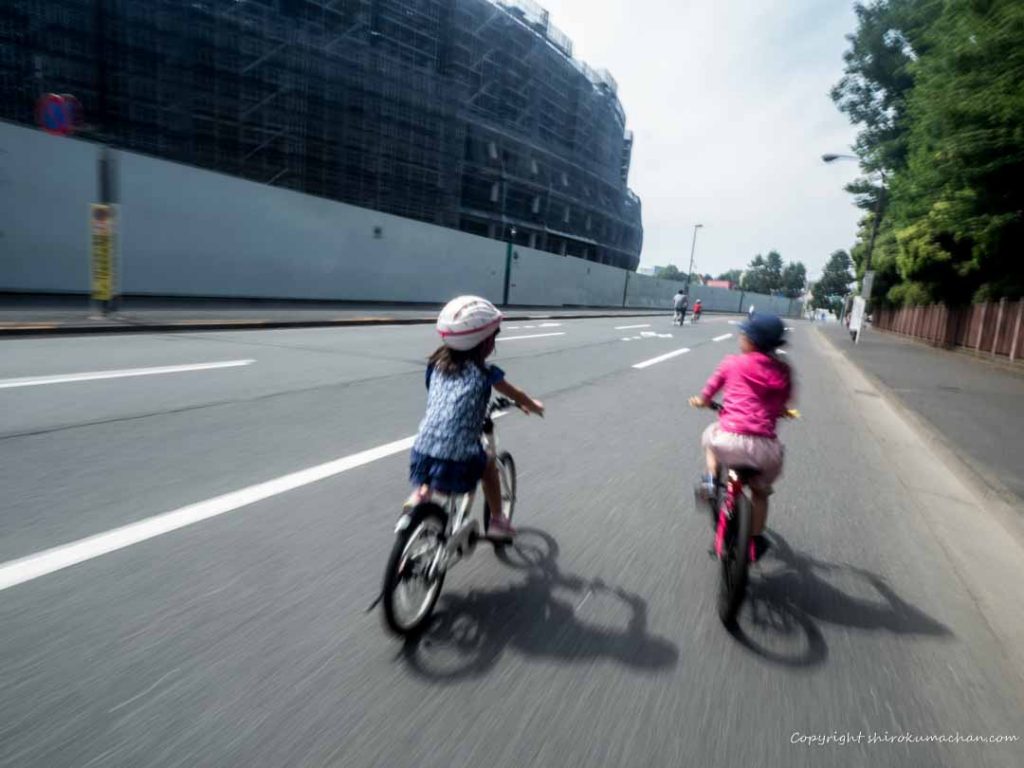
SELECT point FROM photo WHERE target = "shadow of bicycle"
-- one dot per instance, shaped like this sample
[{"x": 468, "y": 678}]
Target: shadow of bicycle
[
  {"x": 793, "y": 593},
  {"x": 470, "y": 632}
]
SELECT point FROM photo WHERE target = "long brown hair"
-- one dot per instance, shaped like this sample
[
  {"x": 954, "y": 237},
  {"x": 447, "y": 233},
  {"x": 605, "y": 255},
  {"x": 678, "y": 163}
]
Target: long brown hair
[{"x": 448, "y": 360}]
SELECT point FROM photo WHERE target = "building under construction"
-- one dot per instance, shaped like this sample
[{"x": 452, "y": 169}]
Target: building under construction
[{"x": 470, "y": 114}]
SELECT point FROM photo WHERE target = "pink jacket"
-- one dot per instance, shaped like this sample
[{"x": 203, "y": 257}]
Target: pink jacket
[{"x": 757, "y": 387}]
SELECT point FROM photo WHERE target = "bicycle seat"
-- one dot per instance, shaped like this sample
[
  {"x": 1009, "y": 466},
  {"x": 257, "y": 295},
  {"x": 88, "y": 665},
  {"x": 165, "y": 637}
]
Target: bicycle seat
[{"x": 745, "y": 474}]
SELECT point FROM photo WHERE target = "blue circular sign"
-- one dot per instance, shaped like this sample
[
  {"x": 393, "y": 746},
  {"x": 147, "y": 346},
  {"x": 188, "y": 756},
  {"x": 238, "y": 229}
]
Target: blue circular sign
[{"x": 54, "y": 114}]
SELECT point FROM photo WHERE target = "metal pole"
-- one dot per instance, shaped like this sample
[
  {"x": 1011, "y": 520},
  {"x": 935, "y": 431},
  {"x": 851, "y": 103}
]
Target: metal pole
[
  {"x": 508, "y": 266},
  {"x": 871, "y": 249},
  {"x": 693, "y": 247}
]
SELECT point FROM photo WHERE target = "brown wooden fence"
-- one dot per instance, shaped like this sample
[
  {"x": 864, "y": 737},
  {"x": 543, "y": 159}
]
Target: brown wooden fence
[{"x": 994, "y": 328}]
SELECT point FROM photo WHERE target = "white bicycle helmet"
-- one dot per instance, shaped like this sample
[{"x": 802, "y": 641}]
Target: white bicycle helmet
[{"x": 466, "y": 321}]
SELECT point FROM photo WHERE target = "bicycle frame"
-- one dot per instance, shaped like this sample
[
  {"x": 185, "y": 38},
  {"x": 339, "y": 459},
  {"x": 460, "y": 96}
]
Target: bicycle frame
[
  {"x": 461, "y": 533},
  {"x": 732, "y": 489}
]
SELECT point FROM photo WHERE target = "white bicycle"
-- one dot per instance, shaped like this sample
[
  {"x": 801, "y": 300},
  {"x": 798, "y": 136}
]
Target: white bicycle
[{"x": 435, "y": 534}]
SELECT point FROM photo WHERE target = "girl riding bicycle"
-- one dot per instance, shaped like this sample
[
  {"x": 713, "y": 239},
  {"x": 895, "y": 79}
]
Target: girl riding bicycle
[
  {"x": 447, "y": 455},
  {"x": 758, "y": 388}
]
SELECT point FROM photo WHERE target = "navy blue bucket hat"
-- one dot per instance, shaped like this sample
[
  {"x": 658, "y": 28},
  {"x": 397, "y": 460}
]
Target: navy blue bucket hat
[{"x": 765, "y": 331}]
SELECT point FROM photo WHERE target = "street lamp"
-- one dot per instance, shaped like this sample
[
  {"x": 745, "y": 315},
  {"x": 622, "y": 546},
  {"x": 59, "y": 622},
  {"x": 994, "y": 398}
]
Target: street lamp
[{"x": 693, "y": 247}]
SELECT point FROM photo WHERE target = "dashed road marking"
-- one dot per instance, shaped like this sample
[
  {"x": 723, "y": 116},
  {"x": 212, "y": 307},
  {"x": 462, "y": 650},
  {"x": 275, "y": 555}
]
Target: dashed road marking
[{"x": 662, "y": 358}]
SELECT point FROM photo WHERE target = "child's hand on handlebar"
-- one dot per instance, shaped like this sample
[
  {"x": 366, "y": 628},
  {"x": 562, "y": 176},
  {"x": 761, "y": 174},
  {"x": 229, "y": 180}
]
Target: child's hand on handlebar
[
  {"x": 529, "y": 405},
  {"x": 698, "y": 401}
]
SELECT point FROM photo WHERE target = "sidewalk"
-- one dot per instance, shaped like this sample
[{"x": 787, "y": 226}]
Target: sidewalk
[
  {"x": 44, "y": 316},
  {"x": 975, "y": 409}
]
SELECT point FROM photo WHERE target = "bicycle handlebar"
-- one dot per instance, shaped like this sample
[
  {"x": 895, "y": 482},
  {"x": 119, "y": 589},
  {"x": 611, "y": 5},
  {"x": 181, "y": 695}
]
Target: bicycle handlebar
[{"x": 499, "y": 404}]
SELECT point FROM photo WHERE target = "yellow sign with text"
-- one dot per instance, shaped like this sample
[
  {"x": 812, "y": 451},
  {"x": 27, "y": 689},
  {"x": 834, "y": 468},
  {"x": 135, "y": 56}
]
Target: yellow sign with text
[{"x": 103, "y": 219}]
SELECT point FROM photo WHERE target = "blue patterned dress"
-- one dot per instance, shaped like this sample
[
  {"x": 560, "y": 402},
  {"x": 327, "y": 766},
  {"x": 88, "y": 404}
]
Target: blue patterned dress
[{"x": 447, "y": 454}]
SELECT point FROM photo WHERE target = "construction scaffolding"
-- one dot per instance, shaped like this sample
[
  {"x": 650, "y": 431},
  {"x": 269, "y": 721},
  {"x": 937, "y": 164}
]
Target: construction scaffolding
[{"x": 469, "y": 114}]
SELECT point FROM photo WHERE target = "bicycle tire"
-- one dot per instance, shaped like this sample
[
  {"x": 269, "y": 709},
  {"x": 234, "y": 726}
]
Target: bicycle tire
[
  {"x": 507, "y": 478},
  {"x": 422, "y": 515},
  {"x": 733, "y": 584}
]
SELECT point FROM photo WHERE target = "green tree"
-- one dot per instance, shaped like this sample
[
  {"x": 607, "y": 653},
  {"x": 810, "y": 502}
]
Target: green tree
[
  {"x": 878, "y": 76},
  {"x": 959, "y": 207},
  {"x": 671, "y": 272},
  {"x": 794, "y": 278},
  {"x": 733, "y": 275},
  {"x": 935, "y": 89},
  {"x": 773, "y": 269},
  {"x": 755, "y": 278},
  {"x": 834, "y": 284}
]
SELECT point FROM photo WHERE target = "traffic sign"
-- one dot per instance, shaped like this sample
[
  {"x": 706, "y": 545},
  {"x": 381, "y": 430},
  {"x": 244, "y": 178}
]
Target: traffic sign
[{"x": 56, "y": 114}]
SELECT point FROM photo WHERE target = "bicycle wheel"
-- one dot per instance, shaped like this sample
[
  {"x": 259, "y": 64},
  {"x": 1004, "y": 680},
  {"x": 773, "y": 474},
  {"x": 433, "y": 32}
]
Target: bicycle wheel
[
  {"x": 409, "y": 593},
  {"x": 507, "y": 477},
  {"x": 733, "y": 584}
]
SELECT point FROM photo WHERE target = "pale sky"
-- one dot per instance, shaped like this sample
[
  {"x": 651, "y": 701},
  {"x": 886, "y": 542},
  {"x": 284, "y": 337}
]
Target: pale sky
[{"x": 728, "y": 100}]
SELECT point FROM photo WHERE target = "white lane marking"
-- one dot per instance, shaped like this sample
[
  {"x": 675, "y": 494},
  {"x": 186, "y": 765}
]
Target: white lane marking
[
  {"x": 788, "y": 328},
  {"x": 511, "y": 328},
  {"x": 662, "y": 358},
  {"x": 723, "y": 337},
  {"x": 654, "y": 335},
  {"x": 34, "y": 381},
  {"x": 42, "y": 563},
  {"x": 550, "y": 325},
  {"x": 530, "y": 336},
  {"x": 734, "y": 322},
  {"x": 627, "y": 338},
  {"x": 629, "y": 327}
]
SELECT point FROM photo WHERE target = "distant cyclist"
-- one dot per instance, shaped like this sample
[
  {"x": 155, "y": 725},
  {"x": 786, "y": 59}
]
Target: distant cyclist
[
  {"x": 758, "y": 388},
  {"x": 680, "y": 302},
  {"x": 447, "y": 455},
  {"x": 697, "y": 309}
]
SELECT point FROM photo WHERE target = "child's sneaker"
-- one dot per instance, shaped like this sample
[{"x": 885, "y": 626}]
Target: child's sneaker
[
  {"x": 706, "y": 487},
  {"x": 500, "y": 528}
]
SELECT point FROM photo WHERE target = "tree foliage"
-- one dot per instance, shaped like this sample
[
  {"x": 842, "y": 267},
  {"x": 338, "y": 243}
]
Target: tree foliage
[
  {"x": 671, "y": 272},
  {"x": 936, "y": 90},
  {"x": 829, "y": 291},
  {"x": 733, "y": 275},
  {"x": 768, "y": 274}
]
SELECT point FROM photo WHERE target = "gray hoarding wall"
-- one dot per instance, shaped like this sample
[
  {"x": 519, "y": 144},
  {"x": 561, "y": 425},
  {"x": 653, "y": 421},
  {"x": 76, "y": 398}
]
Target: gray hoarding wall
[
  {"x": 46, "y": 187},
  {"x": 190, "y": 232}
]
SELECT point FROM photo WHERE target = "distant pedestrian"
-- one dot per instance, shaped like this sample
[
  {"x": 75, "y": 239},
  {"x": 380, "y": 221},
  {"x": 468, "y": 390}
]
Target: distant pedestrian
[{"x": 680, "y": 302}]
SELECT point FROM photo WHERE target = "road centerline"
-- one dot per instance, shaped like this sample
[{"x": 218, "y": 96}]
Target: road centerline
[
  {"x": 530, "y": 336},
  {"x": 662, "y": 358}
]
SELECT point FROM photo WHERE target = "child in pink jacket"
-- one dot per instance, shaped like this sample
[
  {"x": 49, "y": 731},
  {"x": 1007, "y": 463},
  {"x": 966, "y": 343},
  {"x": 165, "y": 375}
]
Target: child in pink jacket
[{"x": 758, "y": 387}]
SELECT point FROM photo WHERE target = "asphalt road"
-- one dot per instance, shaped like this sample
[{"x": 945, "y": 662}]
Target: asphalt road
[{"x": 242, "y": 639}]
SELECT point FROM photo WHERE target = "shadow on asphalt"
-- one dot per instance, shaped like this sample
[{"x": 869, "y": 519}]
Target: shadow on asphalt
[
  {"x": 787, "y": 600},
  {"x": 470, "y": 632}
]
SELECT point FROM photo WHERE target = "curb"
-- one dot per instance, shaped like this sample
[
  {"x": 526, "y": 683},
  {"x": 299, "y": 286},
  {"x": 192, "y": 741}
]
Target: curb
[
  {"x": 983, "y": 480},
  {"x": 127, "y": 326}
]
